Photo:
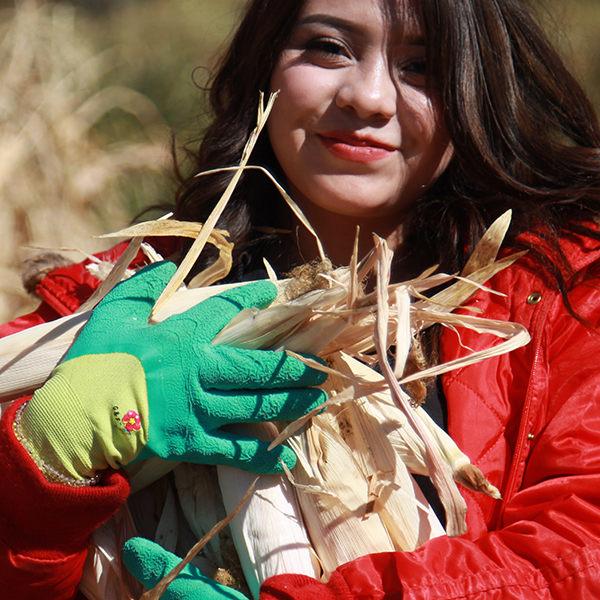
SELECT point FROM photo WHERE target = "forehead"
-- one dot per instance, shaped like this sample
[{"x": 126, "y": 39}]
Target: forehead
[{"x": 398, "y": 19}]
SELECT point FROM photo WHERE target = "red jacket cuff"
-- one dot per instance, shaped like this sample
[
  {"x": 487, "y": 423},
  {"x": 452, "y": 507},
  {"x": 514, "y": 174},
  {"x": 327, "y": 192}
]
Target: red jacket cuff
[
  {"x": 46, "y": 520},
  {"x": 303, "y": 587}
]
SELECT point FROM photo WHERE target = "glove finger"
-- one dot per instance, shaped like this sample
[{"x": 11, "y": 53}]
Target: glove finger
[
  {"x": 224, "y": 448},
  {"x": 135, "y": 297},
  {"x": 280, "y": 405},
  {"x": 149, "y": 563},
  {"x": 215, "y": 312},
  {"x": 225, "y": 368}
]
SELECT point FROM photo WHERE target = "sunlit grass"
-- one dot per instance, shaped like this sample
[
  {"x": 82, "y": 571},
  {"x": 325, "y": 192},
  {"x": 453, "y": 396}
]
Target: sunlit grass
[
  {"x": 89, "y": 99},
  {"x": 85, "y": 104}
]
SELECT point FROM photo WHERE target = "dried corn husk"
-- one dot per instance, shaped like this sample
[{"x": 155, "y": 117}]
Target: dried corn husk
[
  {"x": 356, "y": 496},
  {"x": 104, "y": 576},
  {"x": 27, "y": 358},
  {"x": 269, "y": 531},
  {"x": 201, "y": 503},
  {"x": 200, "y": 242},
  {"x": 331, "y": 507}
]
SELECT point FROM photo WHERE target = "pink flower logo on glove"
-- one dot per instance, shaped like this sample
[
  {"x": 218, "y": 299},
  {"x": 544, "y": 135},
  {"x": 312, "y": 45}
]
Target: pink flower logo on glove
[{"x": 131, "y": 420}]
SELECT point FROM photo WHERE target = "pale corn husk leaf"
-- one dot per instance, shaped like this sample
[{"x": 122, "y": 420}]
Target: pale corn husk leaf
[
  {"x": 217, "y": 270},
  {"x": 147, "y": 507},
  {"x": 151, "y": 254},
  {"x": 455, "y": 295},
  {"x": 217, "y": 238},
  {"x": 117, "y": 273},
  {"x": 293, "y": 206},
  {"x": 201, "y": 503},
  {"x": 198, "y": 245},
  {"x": 515, "y": 336},
  {"x": 333, "y": 494},
  {"x": 114, "y": 277},
  {"x": 276, "y": 326},
  {"x": 439, "y": 471},
  {"x": 310, "y": 340},
  {"x": 257, "y": 329},
  {"x": 104, "y": 576},
  {"x": 28, "y": 357},
  {"x": 488, "y": 247},
  {"x": 168, "y": 227},
  {"x": 272, "y": 275},
  {"x": 403, "y": 330},
  {"x": 283, "y": 545}
]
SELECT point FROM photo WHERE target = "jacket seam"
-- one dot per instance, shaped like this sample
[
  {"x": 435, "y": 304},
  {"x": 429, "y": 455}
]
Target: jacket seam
[{"x": 521, "y": 446}]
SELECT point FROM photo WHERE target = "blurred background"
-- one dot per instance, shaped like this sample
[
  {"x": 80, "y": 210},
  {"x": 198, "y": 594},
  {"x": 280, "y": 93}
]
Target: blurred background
[{"x": 91, "y": 93}]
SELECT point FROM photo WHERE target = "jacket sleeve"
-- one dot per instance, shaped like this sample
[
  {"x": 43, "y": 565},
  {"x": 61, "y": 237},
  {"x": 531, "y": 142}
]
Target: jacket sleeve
[
  {"x": 544, "y": 540},
  {"x": 44, "y": 527}
]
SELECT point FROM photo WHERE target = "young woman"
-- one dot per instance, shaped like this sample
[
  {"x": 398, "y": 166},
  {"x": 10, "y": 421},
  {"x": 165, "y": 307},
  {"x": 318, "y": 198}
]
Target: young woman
[{"x": 422, "y": 121}]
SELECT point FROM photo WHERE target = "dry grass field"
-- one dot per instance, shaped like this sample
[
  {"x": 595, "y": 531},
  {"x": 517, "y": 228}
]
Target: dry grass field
[{"x": 90, "y": 91}]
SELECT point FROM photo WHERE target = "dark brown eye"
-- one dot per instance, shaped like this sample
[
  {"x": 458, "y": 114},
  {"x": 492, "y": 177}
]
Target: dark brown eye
[
  {"x": 327, "y": 46},
  {"x": 418, "y": 66},
  {"x": 413, "y": 71}
]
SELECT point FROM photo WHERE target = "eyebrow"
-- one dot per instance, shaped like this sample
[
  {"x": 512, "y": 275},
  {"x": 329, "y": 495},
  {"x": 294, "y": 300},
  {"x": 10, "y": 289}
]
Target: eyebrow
[
  {"x": 337, "y": 22},
  {"x": 350, "y": 27}
]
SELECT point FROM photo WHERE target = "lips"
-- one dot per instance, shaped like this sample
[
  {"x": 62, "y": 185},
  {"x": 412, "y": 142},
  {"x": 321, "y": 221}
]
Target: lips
[{"x": 354, "y": 148}]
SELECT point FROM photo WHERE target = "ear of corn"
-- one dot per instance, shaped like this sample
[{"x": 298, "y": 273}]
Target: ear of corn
[
  {"x": 27, "y": 358},
  {"x": 269, "y": 531},
  {"x": 201, "y": 503},
  {"x": 382, "y": 508},
  {"x": 404, "y": 439},
  {"x": 356, "y": 495},
  {"x": 373, "y": 442},
  {"x": 333, "y": 494}
]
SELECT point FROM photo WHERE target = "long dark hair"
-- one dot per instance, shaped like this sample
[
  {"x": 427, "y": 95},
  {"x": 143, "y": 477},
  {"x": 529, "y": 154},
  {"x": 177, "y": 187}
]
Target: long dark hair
[
  {"x": 244, "y": 71},
  {"x": 525, "y": 135}
]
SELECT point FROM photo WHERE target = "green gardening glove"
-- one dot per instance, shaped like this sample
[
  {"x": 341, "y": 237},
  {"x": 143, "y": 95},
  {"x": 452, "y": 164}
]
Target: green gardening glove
[
  {"x": 129, "y": 390},
  {"x": 149, "y": 563}
]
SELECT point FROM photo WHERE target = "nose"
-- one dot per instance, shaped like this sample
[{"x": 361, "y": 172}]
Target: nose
[{"x": 370, "y": 91}]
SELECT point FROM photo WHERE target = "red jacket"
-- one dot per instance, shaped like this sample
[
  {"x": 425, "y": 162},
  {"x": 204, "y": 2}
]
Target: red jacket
[{"x": 528, "y": 419}]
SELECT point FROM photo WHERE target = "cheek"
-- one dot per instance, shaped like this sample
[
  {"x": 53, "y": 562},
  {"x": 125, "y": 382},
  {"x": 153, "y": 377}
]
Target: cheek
[
  {"x": 428, "y": 134},
  {"x": 305, "y": 92},
  {"x": 290, "y": 83},
  {"x": 421, "y": 115},
  {"x": 299, "y": 106}
]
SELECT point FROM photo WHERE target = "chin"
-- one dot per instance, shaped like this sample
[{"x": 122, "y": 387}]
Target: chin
[{"x": 359, "y": 210}]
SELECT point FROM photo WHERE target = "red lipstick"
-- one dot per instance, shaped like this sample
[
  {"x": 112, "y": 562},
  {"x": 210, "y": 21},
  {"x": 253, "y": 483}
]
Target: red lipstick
[{"x": 353, "y": 148}]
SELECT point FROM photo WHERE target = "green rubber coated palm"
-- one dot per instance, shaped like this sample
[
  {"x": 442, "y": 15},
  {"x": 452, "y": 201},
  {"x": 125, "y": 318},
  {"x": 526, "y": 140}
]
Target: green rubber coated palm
[{"x": 195, "y": 388}]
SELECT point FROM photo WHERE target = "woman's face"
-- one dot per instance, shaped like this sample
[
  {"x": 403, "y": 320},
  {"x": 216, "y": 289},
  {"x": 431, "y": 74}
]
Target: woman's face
[{"x": 354, "y": 128}]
